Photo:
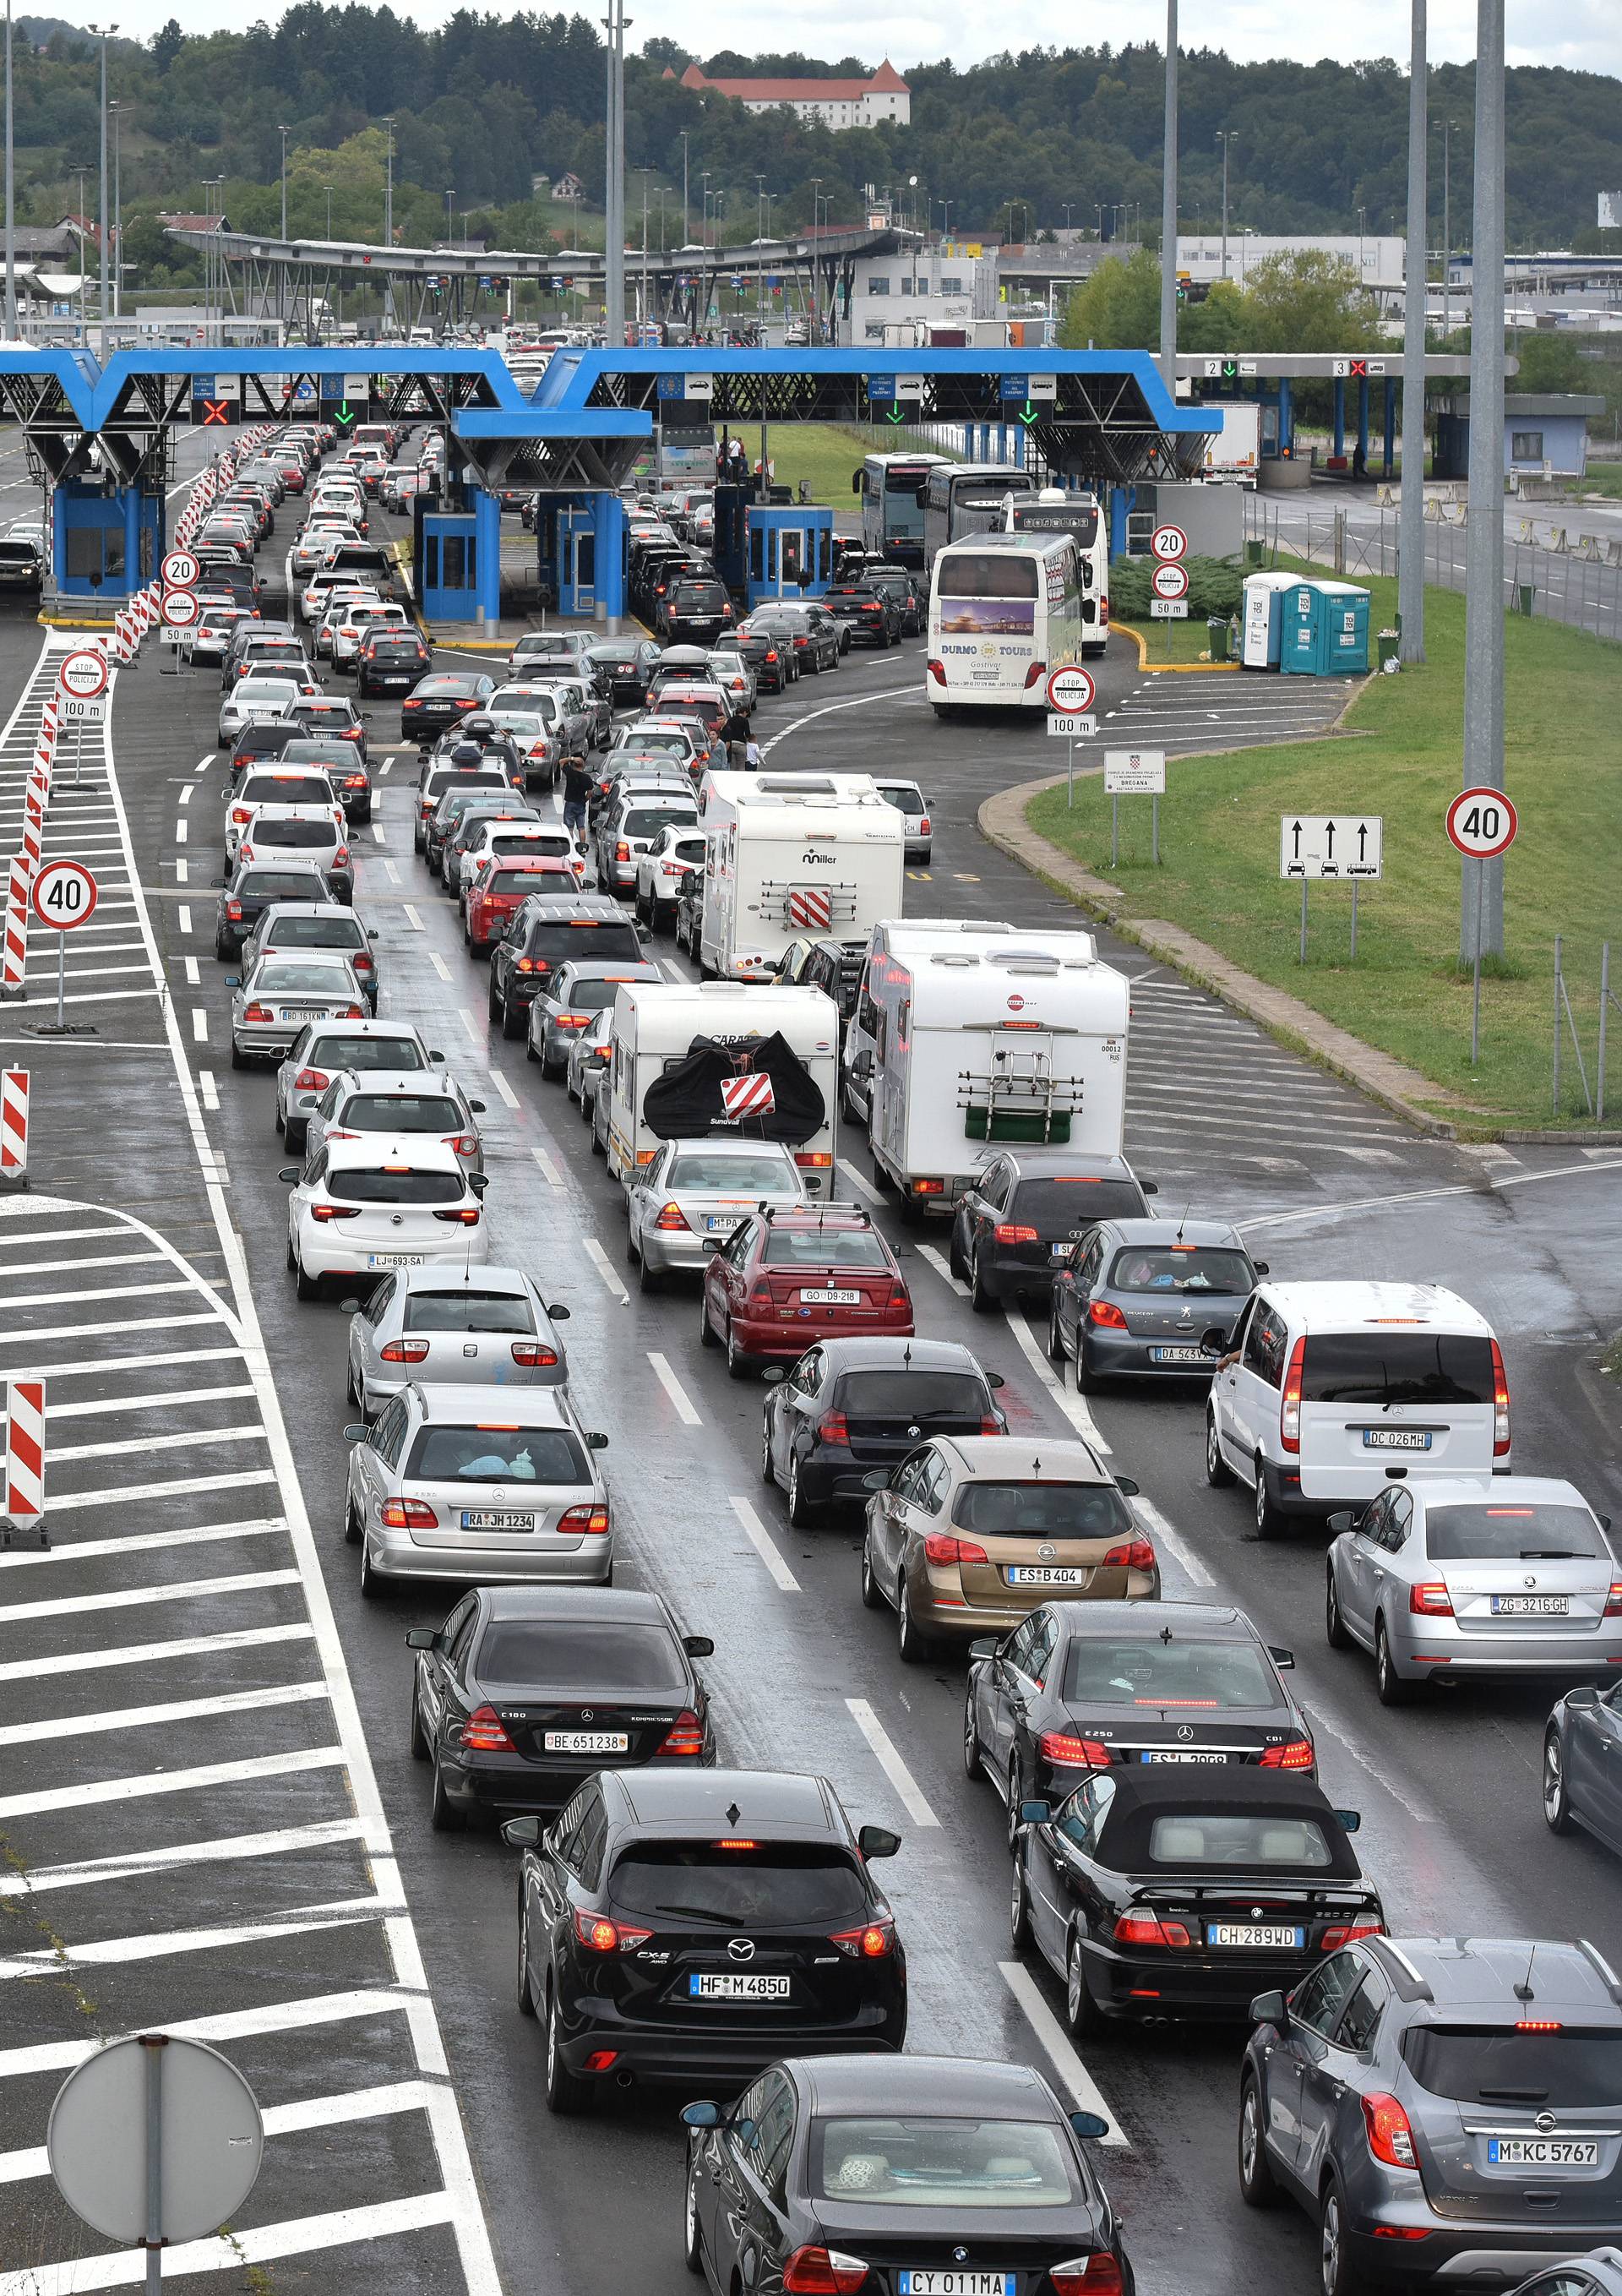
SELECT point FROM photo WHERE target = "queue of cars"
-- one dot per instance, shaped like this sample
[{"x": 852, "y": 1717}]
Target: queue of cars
[{"x": 1171, "y": 1853}]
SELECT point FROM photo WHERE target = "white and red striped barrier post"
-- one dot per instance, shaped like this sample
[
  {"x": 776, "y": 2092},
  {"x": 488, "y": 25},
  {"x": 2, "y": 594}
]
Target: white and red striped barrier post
[
  {"x": 13, "y": 1127},
  {"x": 15, "y": 943},
  {"x": 25, "y": 1453}
]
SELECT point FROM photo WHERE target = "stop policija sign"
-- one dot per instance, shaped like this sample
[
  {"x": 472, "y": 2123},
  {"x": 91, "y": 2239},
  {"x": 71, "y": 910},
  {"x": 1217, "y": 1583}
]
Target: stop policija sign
[{"x": 83, "y": 673}]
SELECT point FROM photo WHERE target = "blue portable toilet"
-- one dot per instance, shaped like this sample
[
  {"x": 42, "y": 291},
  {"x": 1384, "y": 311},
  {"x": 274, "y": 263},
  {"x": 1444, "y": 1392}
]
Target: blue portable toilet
[
  {"x": 1325, "y": 631},
  {"x": 1262, "y": 619}
]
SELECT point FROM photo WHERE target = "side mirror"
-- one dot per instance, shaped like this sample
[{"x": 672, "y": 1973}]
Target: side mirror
[
  {"x": 703, "y": 2114},
  {"x": 774, "y": 1374},
  {"x": 1150, "y": 1187},
  {"x": 421, "y": 1638},
  {"x": 558, "y": 1312},
  {"x": 349, "y": 1307},
  {"x": 877, "y": 1841},
  {"x": 1260, "y": 1266},
  {"x": 1214, "y": 1342},
  {"x": 356, "y": 1432},
  {"x": 698, "y": 1647},
  {"x": 288, "y": 1174},
  {"x": 522, "y": 1833},
  {"x": 1351, "y": 1820},
  {"x": 1270, "y": 2009},
  {"x": 1127, "y": 1488},
  {"x": 1584, "y": 1694},
  {"x": 1089, "y": 2124},
  {"x": 879, "y": 1480},
  {"x": 1282, "y": 1659},
  {"x": 233, "y": 980},
  {"x": 1343, "y": 1520},
  {"x": 436, "y": 1056},
  {"x": 477, "y": 1107},
  {"x": 479, "y": 1182},
  {"x": 713, "y": 1243},
  {"x": 1604, "y": 1521},
  {"x": 995, "y": 1379},
  {"x": 1035, "y": 1813},
  {"x": 983, "y": 1647},
  {"x": 596, "y": 1442}
]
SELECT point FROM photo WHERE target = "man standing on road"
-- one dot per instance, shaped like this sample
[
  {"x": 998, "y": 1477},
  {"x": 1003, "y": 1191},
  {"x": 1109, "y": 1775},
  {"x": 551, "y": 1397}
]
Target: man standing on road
[{"x": 576, "y": 797}]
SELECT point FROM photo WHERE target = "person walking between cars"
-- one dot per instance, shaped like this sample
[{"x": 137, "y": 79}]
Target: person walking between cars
[
  {"x": 576, "y": 797},
  {"x": 735, "y": 735}
]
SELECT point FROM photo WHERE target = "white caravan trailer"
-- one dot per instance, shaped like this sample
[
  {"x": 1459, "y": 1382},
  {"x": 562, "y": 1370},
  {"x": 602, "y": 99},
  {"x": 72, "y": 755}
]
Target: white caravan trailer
[{"x": 789, "y": 854}]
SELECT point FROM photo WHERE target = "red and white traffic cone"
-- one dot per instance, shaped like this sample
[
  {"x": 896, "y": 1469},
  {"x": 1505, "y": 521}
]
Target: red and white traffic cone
[
  {"x": 13, "y": 1127},
  {"x": 14, "y": 947},
  {"x": 25, "y": 1452}
]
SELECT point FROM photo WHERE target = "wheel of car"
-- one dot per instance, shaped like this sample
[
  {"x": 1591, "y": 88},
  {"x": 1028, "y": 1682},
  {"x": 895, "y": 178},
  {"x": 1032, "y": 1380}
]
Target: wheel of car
[
  {"x": 1016, "y": 1795},
  {"x": 371, "y": 1577},
  {"x": 513, "y": 1019},
  {"x": 1082, "y": 2014},
  {"x": 1334, "y": 1626},
  {"x": 1557, "y": 1801},
  {"x": 307, "y": 1287},
  {"x": 1218, "y": 1472},
  {"x": 1019, "y": 1905},
  {"x": 802, "y": 1510},
  {"x": 971, "y": 1736},
  {"x": 738, "y": 1365},
  {"x": 238, "y": 1060},
  {"x": 955, "y": 1256},
  {"x": 443, "y": 1813},
  {"x": 706, "y": 1338},
  {"x": 692, "y": 2250},
  {"x": 768, "y": 1473},
  {"x": 1257, "y": 2187},
  {"x": 1389, "y": 1687},
  {"x": 872, "y": 1594},
  {"x": 911, "y": 1647},
  {"x": 421, "y": 1751},
  {"x": 1338, "y": 2275},
  {"x": 1087, "y": 1378},
  {"x": 1055, "y": 1338},
  {"x": 530, "y": 1051},
  {"x": 493, "y": 1000},
  {"x": 351, "y": 1528},
  {"x": 979, "y": 1298},
  {"x": 1269, "y": 1520},
  {"x": 222, "y": 949},
  {"x": 598, "y": 1146},
  {"x": 351, "y": 1392},
  {"x": 566, "y": 2092}
]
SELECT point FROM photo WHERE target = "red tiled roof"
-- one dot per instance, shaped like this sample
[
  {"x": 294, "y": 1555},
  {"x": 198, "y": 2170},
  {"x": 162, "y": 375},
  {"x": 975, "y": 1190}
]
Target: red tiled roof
[{"x": 887, "y": 80}]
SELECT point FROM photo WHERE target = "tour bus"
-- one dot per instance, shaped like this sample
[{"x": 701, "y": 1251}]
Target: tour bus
[
  {"x": 1055, "y": 511},
  {"x": 891, "y": 487},
  {"x": 962, "y": 498},
  {"x": 1004, "y": 610}
]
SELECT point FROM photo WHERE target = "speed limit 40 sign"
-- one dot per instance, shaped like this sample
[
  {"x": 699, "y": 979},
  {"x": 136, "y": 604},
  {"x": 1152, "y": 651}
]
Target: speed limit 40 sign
[
  {"x": 64, "y": 895},
  {"x": 1482, "y": 823}
]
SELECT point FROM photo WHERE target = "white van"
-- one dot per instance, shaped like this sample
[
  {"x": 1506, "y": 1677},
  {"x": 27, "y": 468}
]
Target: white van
[
  {"x": 1333, "y": 1390},
  {"x": 790, "y": 854},
  {"x": 856, "y": 1061},
  {"x": 655, "y": 1027},
  {"x": 984, "y": 1039}
]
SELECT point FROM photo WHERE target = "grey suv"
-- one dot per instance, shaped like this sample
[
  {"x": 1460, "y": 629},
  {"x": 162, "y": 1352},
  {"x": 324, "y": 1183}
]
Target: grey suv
[{"x": 1448, "y": 2110}]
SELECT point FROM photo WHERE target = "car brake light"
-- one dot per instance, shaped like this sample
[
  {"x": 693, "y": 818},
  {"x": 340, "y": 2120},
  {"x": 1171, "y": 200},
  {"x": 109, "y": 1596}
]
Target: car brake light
[
  {"x": 813, "y": 1159},
  {"x": 1290, "y": 1408},
  {"x": 1613, "y": 1600},
  {"x": 465, "y": 1144},
  {"x": 533, "y": 1355},
  {"x": 1500, "y": 1407},
  {"x": 1390, "y": 2138},
  {"x": 1131, "y": 1555},
  {"x": 940, "y": 1546},
  {"x": 923, "y": 831},
  {"x": 240, "y": 812},
  {"x": 672, "y": 1219},
  {"x": 404, "y": 1350},
  {"x": 234, "y": 911},
  {"x": 258, "y": 1012},
  {"x": 1072, "y": 1753},
  {"x": 686, "y": 1736},
  {"x": 869, "y": 1944},
  {"x": 1346, "y": 1933},
  {"x": 334, "y": 1211},
  {"x": 1296, "y": 1755},
  {"x": 586, "y": 1521},
  {"x": 245, "y": 853},
  {"x": 834, "y": 1428},
  {"x": 823, "y": 2272},
  {"x": 1087, "y": 2275},
  {"x": 1034, "y": 674},
  {"x": 1007, "y": 1234},
  {"x": 1106, "y": 1312},
  {"x": 1430, "y": 1600},
  {"x": 409, "y": 1514},
  {"x": 599, "y": 1934},
  {"x": 311, "y": 1080},
  {"x": 1146, "y": 1929},
  {"x": 460, "y": 1215},
  {"x": 485, "y": 1733}
]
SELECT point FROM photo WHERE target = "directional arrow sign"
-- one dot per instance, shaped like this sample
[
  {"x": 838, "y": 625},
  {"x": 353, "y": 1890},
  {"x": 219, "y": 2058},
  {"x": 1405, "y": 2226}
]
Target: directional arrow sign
[
  {"x": 1027, "y": 415},
  {"x": 345, "y": 415},
  {"x": 1331, "y": 845}
]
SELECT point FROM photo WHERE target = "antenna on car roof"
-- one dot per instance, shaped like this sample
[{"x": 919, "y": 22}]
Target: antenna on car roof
[
  {"x": 1523, "y": 1991},
  {"x": 1183, "y": 1219}
]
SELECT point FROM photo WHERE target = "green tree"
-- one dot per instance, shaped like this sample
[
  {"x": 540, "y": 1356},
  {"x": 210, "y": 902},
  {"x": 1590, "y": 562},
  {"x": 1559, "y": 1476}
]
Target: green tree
[
  {"x": 166, "y": 45},
  {"x": 1308, "y": 301},
  {"x": 1118, "y": 309},
  {"x": 1219, "y": 323},
  {"x": 1554, "y": 363}
]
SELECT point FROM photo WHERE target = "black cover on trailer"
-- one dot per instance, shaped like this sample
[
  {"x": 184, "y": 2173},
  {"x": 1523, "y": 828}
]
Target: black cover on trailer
[{"x": 687, "y": 1102}]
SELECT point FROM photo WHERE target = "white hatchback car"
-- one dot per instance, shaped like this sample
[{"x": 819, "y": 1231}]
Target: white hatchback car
[{"x": 361, "y": 1207}]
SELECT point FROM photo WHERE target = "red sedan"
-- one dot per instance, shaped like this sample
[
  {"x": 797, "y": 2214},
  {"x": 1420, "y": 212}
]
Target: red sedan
[
  {"x": 786, "y": 1279},
  {"x": 497, "y": 892}
]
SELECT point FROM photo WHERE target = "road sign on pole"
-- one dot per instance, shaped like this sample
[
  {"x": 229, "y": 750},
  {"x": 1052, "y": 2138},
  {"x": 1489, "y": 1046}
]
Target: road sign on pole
[
  {"x": 1482, "y": 823},
  {"x": 1341, "y": 847},
  {"x": 65, "y": 896},
  {"x": 1071, "y": 688},
  {"x": 1071, "y": 727},
  {"x": 1168, "y": 542},
  {"x": 180, "y": 571},
  {"x": 1169, "y": 580},
  {"x": 83, "y": 673},
  {"x": 1134, "y": 772},
  {"x": 178, "y": 615},
  {"x": 1168, "y": 610}
]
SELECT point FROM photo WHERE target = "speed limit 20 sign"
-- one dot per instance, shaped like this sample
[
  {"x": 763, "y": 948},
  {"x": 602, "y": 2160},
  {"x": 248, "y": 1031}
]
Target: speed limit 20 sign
[
  {"x": 64, "y": 895},
  {"x": 1482, "y": 823},
  {"x": 180, "y": 571}
]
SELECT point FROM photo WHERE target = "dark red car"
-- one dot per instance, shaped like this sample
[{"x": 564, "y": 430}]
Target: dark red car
[
  {"x": 787, "y": 1279},
  {"x": 497, "y": 893}
]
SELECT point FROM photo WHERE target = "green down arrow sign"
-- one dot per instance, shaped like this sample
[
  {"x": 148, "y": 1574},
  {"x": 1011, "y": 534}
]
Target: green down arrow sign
[
  {"x": 345, "y": 415},
  {"x": 1027, "y": 413},
  {"x": 895, "y": 415}
]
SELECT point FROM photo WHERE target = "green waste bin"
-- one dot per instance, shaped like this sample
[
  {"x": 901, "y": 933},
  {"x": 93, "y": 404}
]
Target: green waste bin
[
  {"x": 1388, "y": 642},
  {"x": 1253, "y": 551},
  {"x": 1524, "y": 594},
  {"x": 1217, "y": 630}
]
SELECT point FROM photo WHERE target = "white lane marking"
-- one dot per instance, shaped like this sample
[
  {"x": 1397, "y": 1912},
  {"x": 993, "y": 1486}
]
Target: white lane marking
[
  {"x": 138, "y": 1446},
  {"x": 378, "y": 837},
  {"x": 1355, "y": 1747},
  {"x": 278, "y": 2120},
  {"x": 412, "y": 918},
  {"x": 185, "y": 795},
  {"x": 470, "y": 1021},
  {"x": 137, "y": 1542},
  {"x": 229, "y": 2025},
  {"x": 554, "y": 1177},
  {"x": 440, "y": 964},
  {"x": 888, "y": 1755},
  {"x": 209, "y": 1089},
  {"x": 261, "y": 2245},
  {"x": 177, "y": 1709},
  {"x": 885, "y": 694},
  {"x": 390, "y": 872},
  {"x": 1073, "y": 1406},
  {"x": 1060, "y": 2049},
  {"x": 505, "y": 1089},
  {"x": 180, "y": 832},
  {"x": 184, "y": 916},
  {"x": 100, "y": 1259},
  {"x": 677, "y": 1393},
  {"x": 200, "y": 1025},
  {"x": 111, "y": 1406},
  {"x": 87, "y": 1331},
  {"x": 132, "y": 1598},
  {"x": 93, "y": 1791},
  {"x": 161, "y": 1945},
  {"x": 87, "y": 1873},
  {"x": 182, "y": 874},
  {"x": 131, "y": 1362},
  {"x": 1170, "y": 1537},
  {"x": 599, "y": 1262},
  {"x": 387, "y": 765},
  {"x": 194, "y": 978},
  {"x": 673, "y": 971},
  {"x": 1425, "y": 1196},
  {"x": 864, "y": 1187},
  {"x": 764, "y": 1545},
  {"x": 938, "y": 1262},
  {"x": 127, "y": 1494},
  {"x": 23, "y": 1669}
]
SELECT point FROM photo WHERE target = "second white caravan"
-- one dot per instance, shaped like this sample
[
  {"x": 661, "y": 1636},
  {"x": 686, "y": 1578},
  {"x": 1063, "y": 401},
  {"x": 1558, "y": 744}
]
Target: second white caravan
[{"x": 790, "y": 854}]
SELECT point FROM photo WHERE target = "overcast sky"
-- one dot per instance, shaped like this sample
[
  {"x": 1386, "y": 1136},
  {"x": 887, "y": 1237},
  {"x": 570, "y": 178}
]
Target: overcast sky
[{"x": 1585, "y": 34}]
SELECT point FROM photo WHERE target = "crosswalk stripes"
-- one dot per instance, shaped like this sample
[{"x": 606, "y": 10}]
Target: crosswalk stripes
[{"x": 1190, "y": 714}]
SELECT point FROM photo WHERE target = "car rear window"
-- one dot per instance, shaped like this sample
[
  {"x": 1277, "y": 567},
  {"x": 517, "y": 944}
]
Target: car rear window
[
  {"x": 1210, "y": 1676},
  {"x": 276, "y": 980},
  {"x": 904, "y": 797},
  {"x": 468, "y": 777},
  {"x": 1575, "y": 2066},
  {"x": 1039, "y": 1510},
  {"x": 356, "y": 1184},
  {"x": 1179, "y": 1267},
  {"x": 657, "y": 745},
  {"x": 731, "y": 1176},
  {"x": 1381, "y": 1367},
  {"x": 502, "y": 884},
  {"x": 925, "y": 2163},
  {"x": 277, "y": 885},
  {"x": 592, "y": 996},
  {"x": 1512, "y": 1533},
  {"x": 587, "y": 936},
  {"x": 811, "y": 1884},
  {"x": 468, "y": 1310},
  {"x": 364, "y": 1053},
  {"x": 291, "y": 834},
  {"x": 647, "y": 821},
  {"x": 1055, "y": 1206},
  {"x": 286, "y": 789},
  {"x": 401, "y": 1111},
  {"x": 496, "y": 1455},
  {"x": 1272, "y": 1839},
  {"x": 699, "y": 597},
  {"x": 911, "y": 1395},
  {"x": 816, "y": 1248},
  {"x": 319, "y": 933},
  {"x": 581, "y": 1656}
]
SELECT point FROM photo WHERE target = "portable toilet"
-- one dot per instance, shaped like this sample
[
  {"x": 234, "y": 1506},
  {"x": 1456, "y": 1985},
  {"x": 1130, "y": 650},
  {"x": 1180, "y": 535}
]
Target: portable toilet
[
  {"x": 1326, "y": 630},
  {"x": 1262, "y": 620}
]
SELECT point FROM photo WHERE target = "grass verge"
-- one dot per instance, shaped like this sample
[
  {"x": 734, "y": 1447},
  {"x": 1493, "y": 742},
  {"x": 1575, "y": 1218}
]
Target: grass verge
[
  {"x": 1190, "y": 641},
  {"x": 1219, "y": 845},
  {"x": 827, "y": 453}
]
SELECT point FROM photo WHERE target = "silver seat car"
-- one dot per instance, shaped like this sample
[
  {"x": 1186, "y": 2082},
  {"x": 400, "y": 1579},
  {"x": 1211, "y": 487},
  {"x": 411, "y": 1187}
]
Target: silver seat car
[
  {"x": 1441, "y": 1577},
  {"x": 689, "y": 1199},
  {"x": 290, "y": 927},
  {"x": 252, "y": 698},
  {"x": 415, "y": 1100},
  {"x": 490, "y": 1328},
  {"x": 566, "y": 1000},
  {"x": 477, "y": 1483},
  {"x": 319, "y": 1051},
  {"x": 282, "y": 995},
  {"x": 302, "y": 832}
]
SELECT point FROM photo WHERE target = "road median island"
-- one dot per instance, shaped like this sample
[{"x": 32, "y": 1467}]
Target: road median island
[{"x": 1396, "y": 1020}]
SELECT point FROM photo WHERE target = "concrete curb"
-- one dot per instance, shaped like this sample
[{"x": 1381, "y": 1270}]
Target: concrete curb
[{"x": 1170, "y": 669}]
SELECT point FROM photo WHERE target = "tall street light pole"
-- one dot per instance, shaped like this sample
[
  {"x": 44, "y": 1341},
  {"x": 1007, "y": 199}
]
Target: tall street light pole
[
  {"x": 1447, "y": 127},
  {"x": 613, "y": 248},
  {"x": 388, "y": 224},
  {"x": 102, "y": 32},
  {"x": 685, "y": 133},
  {"x": 118, "y": 210},
  {"x": 1169, "y": 211},
  {"x": 327, "y": 188},
  {"x": 1416, "y": 269},
  {"x": 1482, "y": 911},
  {"x": 11, "y": 204},
  {"x": 1225, "y": 136}
]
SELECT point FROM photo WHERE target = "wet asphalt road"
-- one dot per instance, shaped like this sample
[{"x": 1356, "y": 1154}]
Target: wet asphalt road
[{"x": 1220, "y": 1117}]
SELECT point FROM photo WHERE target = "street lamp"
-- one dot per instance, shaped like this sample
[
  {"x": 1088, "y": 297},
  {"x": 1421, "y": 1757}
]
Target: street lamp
[
  {"x": 686, "y": 133},
  {"x": 1225, "y": 136},
  {"x": 327, "y": 188},
  {"x": 118, "y": 210},
  {"x": 81, "y": 170},
  {"x": 102, "y": 32},
  {"x": 1447, "y": 127},
  {"x": 450, "y": 221},
  {"x": 945, "y": 206},
  {"x": 388, "y": 224},
  {"x": 10, "y": 218}
]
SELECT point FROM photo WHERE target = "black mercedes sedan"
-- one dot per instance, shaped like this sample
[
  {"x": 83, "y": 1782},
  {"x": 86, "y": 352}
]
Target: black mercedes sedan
[
  {"x": 1081, "y": 1686},
  {"x": 1159, "y": 1895},
  {"x": 525, "y": 1691},
  {"x": 873, "y": 2176}
]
